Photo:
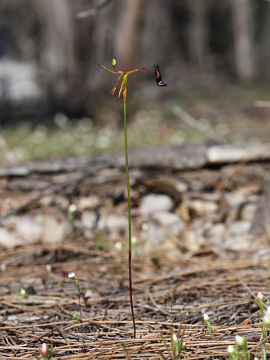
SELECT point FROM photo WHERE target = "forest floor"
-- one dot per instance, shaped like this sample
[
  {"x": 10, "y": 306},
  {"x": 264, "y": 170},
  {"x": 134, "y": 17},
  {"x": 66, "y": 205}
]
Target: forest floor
[
  {"x": 225, "y": 289},
  {"x": 202, "y": 248}
]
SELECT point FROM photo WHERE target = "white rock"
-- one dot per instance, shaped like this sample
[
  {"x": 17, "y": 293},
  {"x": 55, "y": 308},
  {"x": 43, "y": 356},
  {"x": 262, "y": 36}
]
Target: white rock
[
  {"x": 155, "y": 234},
  {"x": 113, "y": 224},
  {"x": 195, "y": 237},
  {"x": 88, "y": 203},
  {"x": 193, "y": 241},
  {"x": 216, "y": 234},
  {"x": 153, "y": 203},
  {"x": 239, "y": 243},
  {"x": 263, "y": 254},
  {"x": 203, "y": 208},
  {"x": 248, "y": 212},
  {"x": 88, "y": 220},
  {"x": 19, "y": 231},
  {"x": 28, "y": 229},
  {"x": 8, "y": 239},
  {"x": 239, "y": 227},
  {"x": 170, "y": 221},
  {"x": 235, "y": 198},
  {"x": 55, "y": 228},
  {"x": 235, "y": 237}
]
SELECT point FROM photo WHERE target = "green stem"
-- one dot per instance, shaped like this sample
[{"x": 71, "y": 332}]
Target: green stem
[
  {"x": 129, "y": 221},
  {"x": 264, "y": 352}
]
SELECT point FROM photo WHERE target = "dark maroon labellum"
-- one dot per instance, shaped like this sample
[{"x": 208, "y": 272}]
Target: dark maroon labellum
[{"x": 158, "y": 76}]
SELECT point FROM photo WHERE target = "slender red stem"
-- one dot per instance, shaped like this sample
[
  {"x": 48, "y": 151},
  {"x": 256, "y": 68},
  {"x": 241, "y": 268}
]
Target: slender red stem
[
  {"x": 129, "y": 216},
  {"x": 130, "y": 294}
]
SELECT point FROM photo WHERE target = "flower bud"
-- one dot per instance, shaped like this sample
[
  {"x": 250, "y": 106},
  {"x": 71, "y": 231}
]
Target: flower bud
[
  {"x": 71, "y": 275},
  {"x": 118, "y": 246},
  {"x": 44, "y": 350},
  {"x": 205, "y": 317},
  {"x": 72, "y": 208},
  {"x": 240, "y": 340}
]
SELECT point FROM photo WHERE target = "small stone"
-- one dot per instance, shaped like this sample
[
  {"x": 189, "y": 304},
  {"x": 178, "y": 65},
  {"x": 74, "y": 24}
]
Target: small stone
[
  {"x": 235, "y": 198},
  {"x": 113, "y": 224},
  {"x": 88, "y": 203},
  {"x": 154, "y": 203},
  {"x": 216, "y": 234},
  {"x": 89, "y": 220},
  {"x": 239, "y": 227},
  {"x": 193, "y": 241},
  {"x": 195, "y": 237},
  {"x": 55, "y": 228},
  {"x": 28, "y": 229},
  {"x": 19, "y": 231},
  {"x": 170, "y": 221},
  {"x": 263, "y": 254},
  {"x": 155, "y": 234},
  {"x": 9, "y": 239},
  {"x": 62, "y": 203},
  {"x": 248, "y": 212},
  {"x": 203, "y": 208},
  {"x": 234, "y": 238}
]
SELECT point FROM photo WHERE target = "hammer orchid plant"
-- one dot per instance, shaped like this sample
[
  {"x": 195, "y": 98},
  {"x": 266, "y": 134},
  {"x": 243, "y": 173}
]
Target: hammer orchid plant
[{"x": 123, "y": 78}]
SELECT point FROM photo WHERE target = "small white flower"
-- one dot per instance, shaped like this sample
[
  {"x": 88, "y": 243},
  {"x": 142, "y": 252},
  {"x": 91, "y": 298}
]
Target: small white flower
[
  {"x": 48, "y": 268},
  {"x": 256, "y": 358},
  {"x": 134, "y": 240},
  {"x": 240, "y": 340},
  {"x": 266, "y": 319},
  {"x": 3, "y": 267},
  {"x": 205, "y": 317},
  {"x": 268, "y": 310},
  {"x": 23, "y": 292},
  {"x": 175, "y": 338},
  {"x": 260, "y": 296},
  {"x": 145, "y": 226},
  {"x": 118, "y": 245},
  {"x": 72, "y": 208},
  {"x": 230, "y": 349},
  {"x": 71, "y": 275}
]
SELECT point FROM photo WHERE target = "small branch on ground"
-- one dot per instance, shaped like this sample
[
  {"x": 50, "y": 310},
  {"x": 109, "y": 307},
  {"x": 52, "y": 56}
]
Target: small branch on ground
[{"x": 94, "y": 10}]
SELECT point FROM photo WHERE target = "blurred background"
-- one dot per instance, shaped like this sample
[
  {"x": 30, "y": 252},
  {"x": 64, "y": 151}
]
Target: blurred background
[{"x": 55, "y": 101}]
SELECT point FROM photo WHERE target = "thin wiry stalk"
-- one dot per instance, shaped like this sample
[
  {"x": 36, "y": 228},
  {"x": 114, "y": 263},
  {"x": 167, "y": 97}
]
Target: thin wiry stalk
[
  {"x": 129, "y": 222},
  {"x": 264, "y": 352}
]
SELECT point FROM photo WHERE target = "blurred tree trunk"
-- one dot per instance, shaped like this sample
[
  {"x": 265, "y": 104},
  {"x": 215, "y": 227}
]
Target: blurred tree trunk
[
  {"x": 263, "y": 47},
  {"x": 103, "y": 34},
  {"x": 157, "y": 38},
  {"x": 127, "y": 33},
  {"x": 244, "y": 62},
  {"x": 198, "y": 33},
  {"x": 58, "y": 50}
]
